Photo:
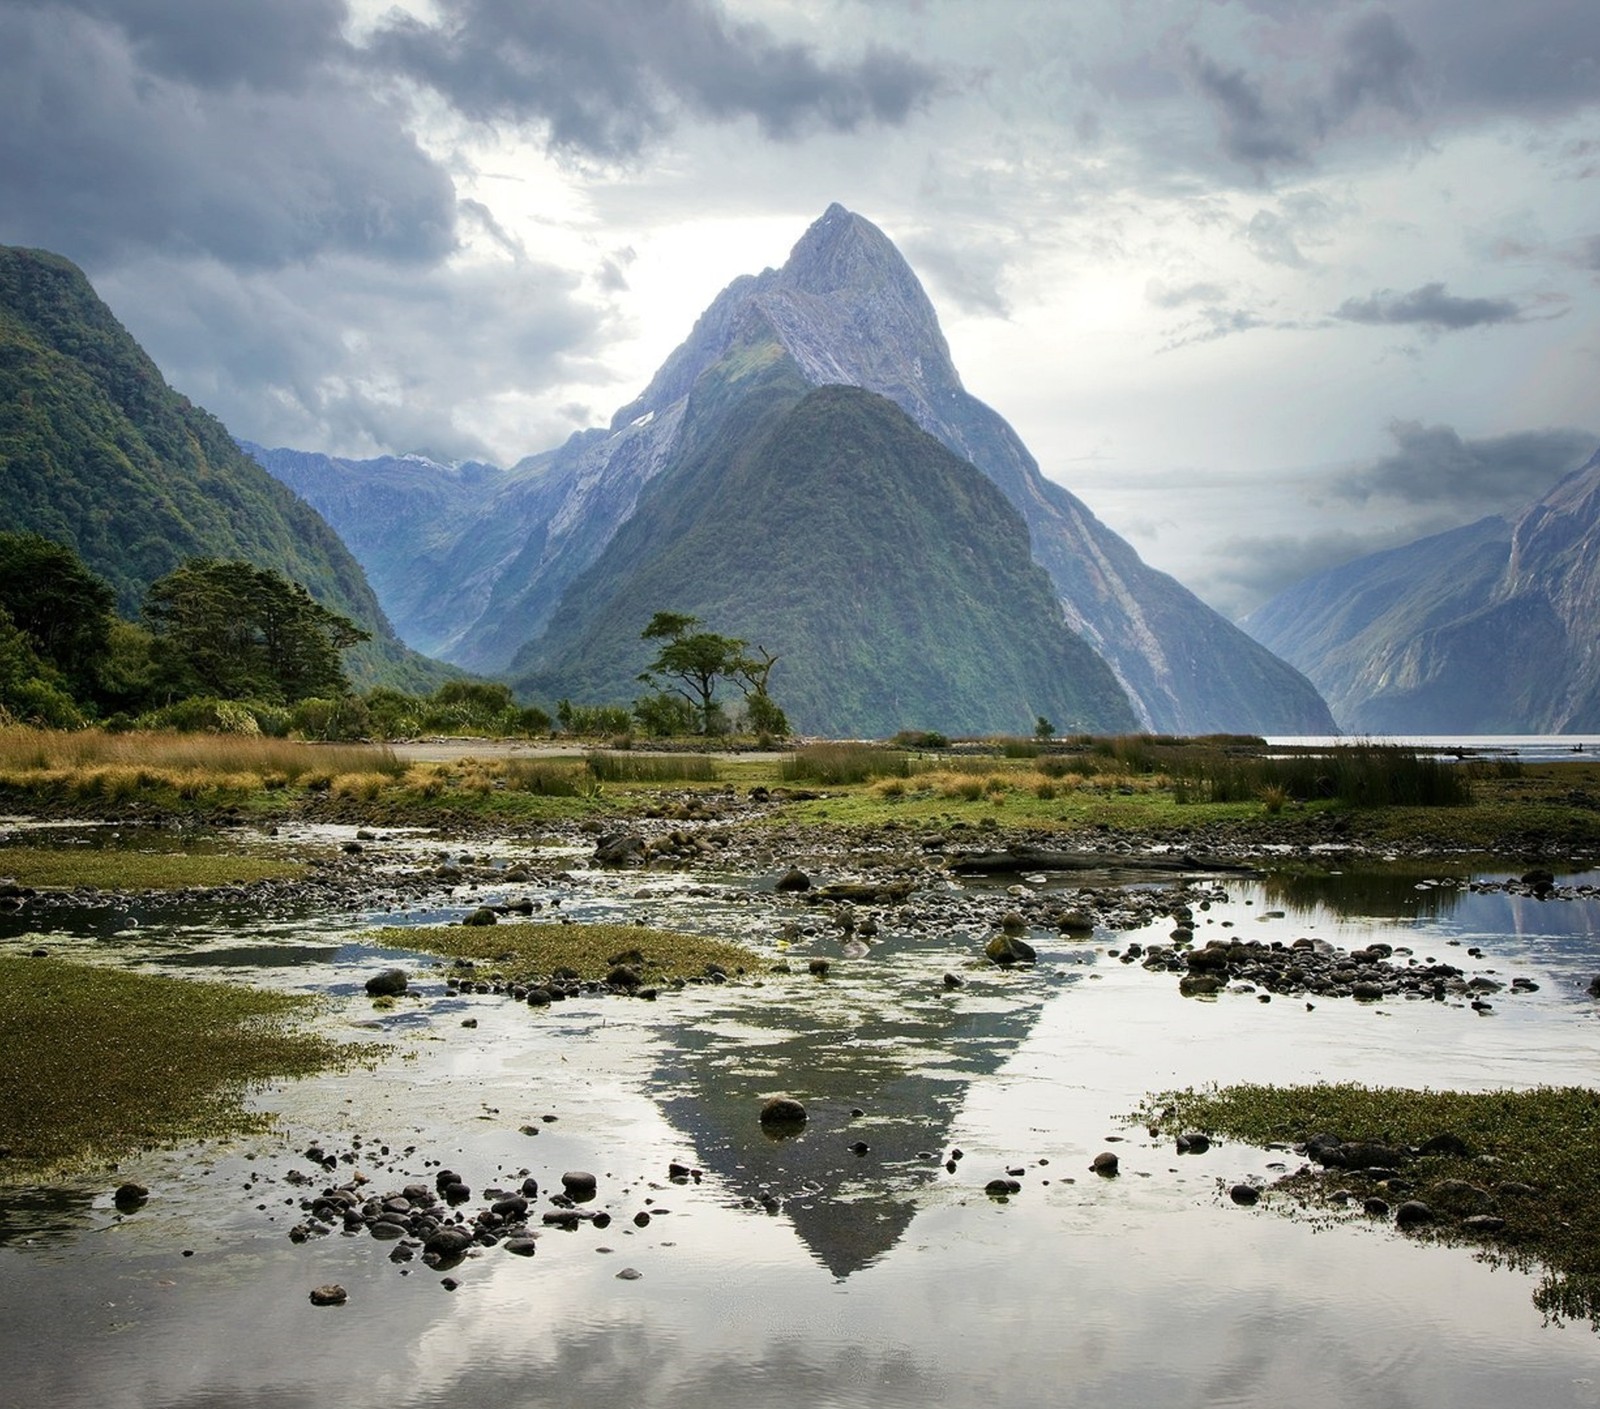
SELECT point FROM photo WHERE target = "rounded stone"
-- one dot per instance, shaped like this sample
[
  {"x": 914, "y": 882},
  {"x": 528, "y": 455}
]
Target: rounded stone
[
  {"x": 579, "y": 1184},
  {"x": 387, "y": 983},
  {"x": 782, "y": 1112}
]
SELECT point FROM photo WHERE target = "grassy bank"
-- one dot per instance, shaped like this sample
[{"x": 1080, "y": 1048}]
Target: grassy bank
[
  {"x": 522, "y": 953},
  {"x": 1199, "y": 792},
  {"x": 119, "y": 869},
  {"x": 1529, "y": 1163},
  {"x": 97, "y": 1063}
]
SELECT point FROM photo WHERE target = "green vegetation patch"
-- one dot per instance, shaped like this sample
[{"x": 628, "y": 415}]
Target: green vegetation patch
[
  {"x": 138, "y": 870},
  {"x": 1529, "y": 1163},
  {"x": 96, "y": 1062},
  {"x": 523, "y": 953}
]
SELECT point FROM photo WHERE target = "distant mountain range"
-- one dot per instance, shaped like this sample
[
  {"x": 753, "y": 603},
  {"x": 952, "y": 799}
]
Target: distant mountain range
[
  {"x": 1490, "y": 628},
  {"x": 509, "y": 570},
  {"x": 97, "y": 452}
]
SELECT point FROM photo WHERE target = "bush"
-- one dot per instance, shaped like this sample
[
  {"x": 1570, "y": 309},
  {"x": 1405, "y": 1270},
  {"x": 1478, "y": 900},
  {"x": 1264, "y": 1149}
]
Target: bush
[
  {"x": 664, "y": 715},
  {"x": 38, "y": 702},
  {"x": 329, "y": 721},
  {"x": 203, "y": 715},
  {"x": 594, "y": 721}
]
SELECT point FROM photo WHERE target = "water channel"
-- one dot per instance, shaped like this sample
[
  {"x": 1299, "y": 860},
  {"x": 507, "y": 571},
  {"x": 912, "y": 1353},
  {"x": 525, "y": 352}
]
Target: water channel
[{"x": 804, "y": 1271}]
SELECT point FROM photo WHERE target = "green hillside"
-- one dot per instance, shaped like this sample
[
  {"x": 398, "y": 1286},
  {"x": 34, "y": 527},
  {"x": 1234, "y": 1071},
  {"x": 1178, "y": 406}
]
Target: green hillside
[
  {"x": 99, "y": 453},
  {"x": 893, "y": 580}
]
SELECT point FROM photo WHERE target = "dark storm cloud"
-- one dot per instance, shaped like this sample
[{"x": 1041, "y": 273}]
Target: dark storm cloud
[
  {"x": 1289, "y": 84},
  {"x": 605, "y": 76},
  {"x": 219, "y": 42},
  {"x": 1433, "y": 465},
  {"x": 1430, "y": 306},
  {"x": 1281, "y": 121},
  {"x": 1536, "y": 57},
  {"x": 102, "y": 157}
]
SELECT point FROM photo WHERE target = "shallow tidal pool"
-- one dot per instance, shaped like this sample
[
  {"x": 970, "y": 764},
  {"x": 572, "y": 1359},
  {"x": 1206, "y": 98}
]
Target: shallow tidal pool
[{"x": 857, "y": 1263}]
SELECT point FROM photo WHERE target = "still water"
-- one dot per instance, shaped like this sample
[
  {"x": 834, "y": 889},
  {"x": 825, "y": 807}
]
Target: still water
[{"x": 879, "y": 1278}]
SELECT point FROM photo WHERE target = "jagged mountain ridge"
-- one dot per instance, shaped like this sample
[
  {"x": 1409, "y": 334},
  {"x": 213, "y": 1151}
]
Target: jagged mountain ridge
[
  {"x": 846, "y": 308},
  {"x": 1487, "y": 629},
  {"x": 99, "y": 453},
  {"x": 927, "y": 610}
]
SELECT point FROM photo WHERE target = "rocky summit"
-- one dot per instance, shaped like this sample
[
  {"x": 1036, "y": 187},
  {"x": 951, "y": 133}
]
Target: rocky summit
[{"x": 845, "y": 308}]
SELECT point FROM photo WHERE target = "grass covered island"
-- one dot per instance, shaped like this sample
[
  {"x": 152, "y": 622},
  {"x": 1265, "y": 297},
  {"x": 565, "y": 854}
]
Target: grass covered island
[
  {"x": 623, "y": 955},
  {"x": 97, "y": 1062},
  {"x": 1511, "y": 1172}
]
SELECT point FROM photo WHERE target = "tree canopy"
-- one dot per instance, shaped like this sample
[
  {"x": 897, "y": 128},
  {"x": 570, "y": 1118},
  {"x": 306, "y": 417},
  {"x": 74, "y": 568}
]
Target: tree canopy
[
  {"x": 62, "y": 608},
  {"x": 691, "y": 663},
  {"x": 237, "y": 631}
]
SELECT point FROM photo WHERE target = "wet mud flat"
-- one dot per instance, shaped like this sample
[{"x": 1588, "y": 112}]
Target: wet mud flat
[{"x": 859, "y": 1259}]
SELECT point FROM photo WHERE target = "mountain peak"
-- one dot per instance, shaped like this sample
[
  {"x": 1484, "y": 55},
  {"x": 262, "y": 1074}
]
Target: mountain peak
[{"x": 842, "y": 250}]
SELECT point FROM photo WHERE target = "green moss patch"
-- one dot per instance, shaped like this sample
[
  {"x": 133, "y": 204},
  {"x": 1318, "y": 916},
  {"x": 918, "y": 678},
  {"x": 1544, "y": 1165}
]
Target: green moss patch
[
  {"x": 1529, "y": 1163},
  {"x": 138, "y": 870},
  {"x": 522, "y": 953},
  {"x": 98, "y": 1062}
]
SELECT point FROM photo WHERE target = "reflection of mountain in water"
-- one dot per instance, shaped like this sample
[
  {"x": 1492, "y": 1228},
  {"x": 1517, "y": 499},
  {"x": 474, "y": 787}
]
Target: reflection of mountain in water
[{"x": 884, "y": 1038}]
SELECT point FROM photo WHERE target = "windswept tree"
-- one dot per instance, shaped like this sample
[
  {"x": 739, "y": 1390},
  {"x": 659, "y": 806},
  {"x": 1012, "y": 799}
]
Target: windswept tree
[
  {"x": 237, "y": 631},
  {"x": 692, "y": 663}
]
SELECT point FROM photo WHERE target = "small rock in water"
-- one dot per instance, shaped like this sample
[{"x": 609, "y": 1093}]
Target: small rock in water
[
  {"x": 1104, "y": 1163},
  {"x": 1007, "y": 949},
  {"x": 1245, "y": 1194},
  {"x": 579, "y": 1184},
  {"x": 130, "y": 1196},
  {"x": 331, "y": 1294},
  {"x": 387, "y": 983},
  {"x": 629, "y": 1274},
  {"x": 782, "y": 1112}
]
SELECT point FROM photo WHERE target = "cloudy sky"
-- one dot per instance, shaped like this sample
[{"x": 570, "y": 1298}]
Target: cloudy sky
[{"x": 1268, "y": 283}]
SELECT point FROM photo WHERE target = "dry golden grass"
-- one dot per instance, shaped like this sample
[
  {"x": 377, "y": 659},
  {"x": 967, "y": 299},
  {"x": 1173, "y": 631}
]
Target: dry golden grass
[{"x": 38, "y": 756}]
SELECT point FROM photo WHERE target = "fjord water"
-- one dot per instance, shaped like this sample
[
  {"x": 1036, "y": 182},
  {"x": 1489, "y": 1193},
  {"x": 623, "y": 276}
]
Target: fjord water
[{"x": 881, "y": 1278}]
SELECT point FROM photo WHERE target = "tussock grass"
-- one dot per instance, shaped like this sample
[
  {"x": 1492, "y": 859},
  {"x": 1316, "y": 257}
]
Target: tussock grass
[
  {"x": 1358, "y": 775},
  {"x": 363, "y": 787},
  {"x": 522, "y": 953},
  {"x": 839, "y": 764},
  {"x": 96, "y": 1063},
  {"x": 651, "y": 767},
  {"x": 545, "y": 778},
  {"x": 1544, "y": 1139},
  {"x": 91, "y": 761}
]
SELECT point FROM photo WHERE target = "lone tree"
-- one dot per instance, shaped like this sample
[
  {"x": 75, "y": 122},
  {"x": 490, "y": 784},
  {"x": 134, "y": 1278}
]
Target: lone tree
[
  {"x": 238, "y": 631},
  {"x": 691, "y": 663}
]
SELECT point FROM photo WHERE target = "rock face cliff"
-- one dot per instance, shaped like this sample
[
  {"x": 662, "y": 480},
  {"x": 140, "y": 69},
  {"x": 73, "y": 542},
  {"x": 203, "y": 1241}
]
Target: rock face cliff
[
  {"x": 1493, "y": 628},
  {"x": 847, "y": 309}
]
